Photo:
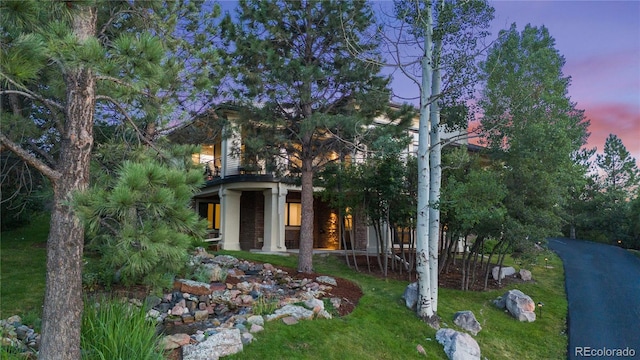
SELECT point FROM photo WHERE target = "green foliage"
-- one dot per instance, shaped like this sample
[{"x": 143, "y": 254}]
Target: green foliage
[
  {"x": 620, "y": 171},
  {"x": 295, "y": 59},
  {"x": 140, "y": 223},
  {"x": 527, "y": 112},
  {"x": 112, "y": 329},
  {"x": 288, "y": 56},
  {"x": 607, "y": 203},
  {"x": 264, "y": 305}
]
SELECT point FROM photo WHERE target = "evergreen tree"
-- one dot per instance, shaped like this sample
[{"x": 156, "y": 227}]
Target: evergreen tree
[
  {"x": 533, "y": 131},
  {"x": 141, "y": 223},
  {"x": 608, "y": 214},
  {"x": 64, "y": 65},
  {"x": 294, "y": 69},
  {"x": 619, "y": 168}
]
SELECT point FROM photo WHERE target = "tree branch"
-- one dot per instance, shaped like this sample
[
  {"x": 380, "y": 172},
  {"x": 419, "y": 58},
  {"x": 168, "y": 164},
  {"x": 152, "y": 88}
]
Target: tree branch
[
  {"x": 52, "y": 174},
  {"x": 31, "y": 95},
  {"x": 124, "y": 113}
]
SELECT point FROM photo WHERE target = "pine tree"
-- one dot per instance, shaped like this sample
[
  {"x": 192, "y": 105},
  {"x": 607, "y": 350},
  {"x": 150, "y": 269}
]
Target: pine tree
[
  {"x": 620, "y": 171},
  {"x": 293, "y": 59},
  {"x": 140, "y": 221},
  {"x": 67, "y": 64},
  {"x": 615, "y": 186}
]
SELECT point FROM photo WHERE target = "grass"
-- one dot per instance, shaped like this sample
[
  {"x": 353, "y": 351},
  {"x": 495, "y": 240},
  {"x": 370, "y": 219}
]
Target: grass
[
  {"x": 112, "y": 329},
  {"x": 380, "y": 327},
  {"x": 23, "y": 259}
]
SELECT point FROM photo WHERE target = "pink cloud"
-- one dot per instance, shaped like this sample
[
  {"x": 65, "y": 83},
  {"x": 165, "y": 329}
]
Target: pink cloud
[{"x": 623, "y": 120}]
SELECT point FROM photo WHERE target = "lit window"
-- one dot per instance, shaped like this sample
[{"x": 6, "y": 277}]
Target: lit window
[
  {"x": 293, "y": 214},
  {"x": 211, "y": 211}
]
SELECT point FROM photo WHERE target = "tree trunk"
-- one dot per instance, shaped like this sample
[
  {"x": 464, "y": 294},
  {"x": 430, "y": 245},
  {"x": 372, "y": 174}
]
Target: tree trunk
[
  {"x": 62, "y": 314},
  {"x": 424, "y": 308},
  {"x": 435, "y": 175},
  {"x": 305, "y": 260}
]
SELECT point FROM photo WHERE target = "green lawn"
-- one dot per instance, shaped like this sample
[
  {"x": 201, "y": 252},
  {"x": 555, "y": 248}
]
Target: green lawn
[
  {"x": 22, "y": 268},
  {"x": 380, "y": 327}
]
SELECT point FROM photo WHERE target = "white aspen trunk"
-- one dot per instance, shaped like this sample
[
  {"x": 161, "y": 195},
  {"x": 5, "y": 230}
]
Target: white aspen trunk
[
  {"x": 435, "y": 176},
  {"x": 424, "y": 306}
]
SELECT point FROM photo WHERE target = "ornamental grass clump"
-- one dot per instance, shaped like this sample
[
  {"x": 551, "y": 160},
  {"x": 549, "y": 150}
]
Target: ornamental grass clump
[
  {"x": 265, "y": 305},
  {"x": 113, "y": 329}
]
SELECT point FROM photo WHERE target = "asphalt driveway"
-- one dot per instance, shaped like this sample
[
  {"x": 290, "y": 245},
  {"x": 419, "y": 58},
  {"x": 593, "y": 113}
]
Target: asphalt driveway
[{"x": 603, "y": 289}]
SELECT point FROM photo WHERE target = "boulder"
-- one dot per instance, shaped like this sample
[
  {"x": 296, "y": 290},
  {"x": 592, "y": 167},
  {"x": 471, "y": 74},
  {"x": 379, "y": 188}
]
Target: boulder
[
  {"x": 410, "y": 295},
  {"x": 223, "y": 343},
  {"x": 519, "y": 305},
  {"x": 174, "y": 341},
  {"x": 327, "y": 280},
  {"x": 467, "y": 321},
  {"x": 525, "y": 275},
  {"x": 458, "y": 345},
  {"x": 193, "y": 287},
  {"x": 295, "y": 311},
  {"x": 505, "y": 271}
]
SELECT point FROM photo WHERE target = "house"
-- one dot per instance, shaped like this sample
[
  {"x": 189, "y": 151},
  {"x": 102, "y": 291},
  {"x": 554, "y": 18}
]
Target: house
[{"x": 249, "y": 207}]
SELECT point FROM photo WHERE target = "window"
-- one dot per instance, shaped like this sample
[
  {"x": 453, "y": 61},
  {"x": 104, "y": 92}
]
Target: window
[
  {"x": 211, "y": 212},
  {"x": 293, "y": 214}
]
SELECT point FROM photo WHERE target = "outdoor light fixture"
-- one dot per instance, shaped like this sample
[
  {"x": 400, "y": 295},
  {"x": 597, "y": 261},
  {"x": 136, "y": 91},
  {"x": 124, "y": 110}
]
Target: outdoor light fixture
[
  {"x": 540, "y": 305},
  {"x": 546, "y": 262}
]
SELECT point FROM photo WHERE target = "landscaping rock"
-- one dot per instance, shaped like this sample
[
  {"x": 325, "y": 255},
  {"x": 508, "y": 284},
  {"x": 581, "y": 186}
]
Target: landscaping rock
[
  {"x": 327, "y": 280},
  {"x": 410, "y": 296},
  {"x": 256, "y": 320},
  {"x": 193, "y": 287},
  {"x": 175, "y": 341},
  {"x": 255, "y": 328},
  {"x": 225, "y": 260},
  {"x": 467, "y": 321},
  {"x": 518, "y": 304},
  {"x": 525, "y": 275},
  {"x": 505, "y": 271},
  {"x": 298, "y": 312},
  {"x": 458, "y": 345},
  {"x": 289, "y": 320},
  {"x": 223, "y": 343}
]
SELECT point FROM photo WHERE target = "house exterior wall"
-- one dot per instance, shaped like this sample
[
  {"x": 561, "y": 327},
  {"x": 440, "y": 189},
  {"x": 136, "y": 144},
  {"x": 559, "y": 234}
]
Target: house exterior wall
[
  {"x": 251, "y": 219},
  {"x": 253, "y": 204}
]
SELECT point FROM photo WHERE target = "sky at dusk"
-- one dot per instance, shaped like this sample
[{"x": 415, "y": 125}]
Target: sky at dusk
[{"x": 600, "y": 41}]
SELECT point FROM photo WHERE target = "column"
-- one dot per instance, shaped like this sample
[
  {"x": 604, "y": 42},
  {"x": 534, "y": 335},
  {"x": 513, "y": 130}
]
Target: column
[
  {"x": 230, "y": 219},
  {"x": 274, "y": 202}
]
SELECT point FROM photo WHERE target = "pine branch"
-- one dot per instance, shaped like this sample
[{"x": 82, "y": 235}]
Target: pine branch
[
  {"x": 124, "y": 113},
  {"x": 30, "y": 94},
  {"x": 52, "y": 174}
]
